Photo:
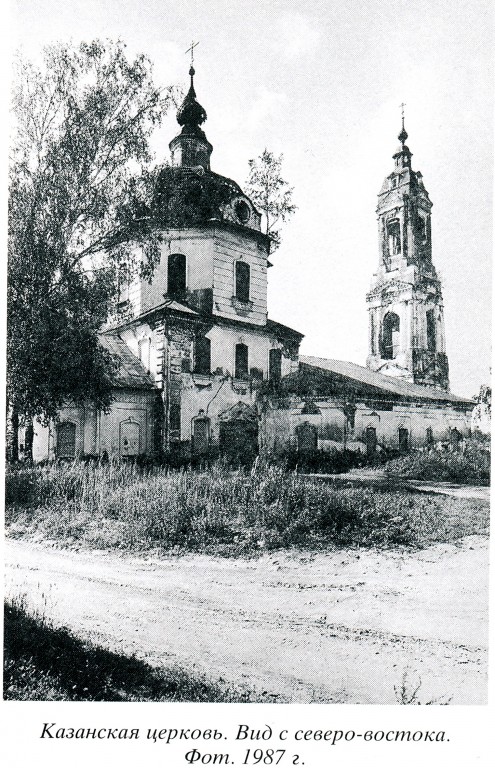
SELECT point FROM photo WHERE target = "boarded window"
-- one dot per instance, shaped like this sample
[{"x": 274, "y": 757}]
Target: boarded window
[
  {"x": 391, "y": 336},
  {"x": 242, "y": 276},
  {"x": 275, "y": 364},
  {"x": 431, "y": 331},
  {"x": 66, "y": 440},
  {"x": 202, "y": 355},
  {"x": 175, "y": 417},
  {"x": 241, "y": 361},
  {"x": 176, "y": 275}
]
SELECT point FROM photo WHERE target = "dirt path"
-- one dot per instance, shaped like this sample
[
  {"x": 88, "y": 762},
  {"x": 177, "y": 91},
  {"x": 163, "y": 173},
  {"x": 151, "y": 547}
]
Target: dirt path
[{"x": 335, "y": 627}]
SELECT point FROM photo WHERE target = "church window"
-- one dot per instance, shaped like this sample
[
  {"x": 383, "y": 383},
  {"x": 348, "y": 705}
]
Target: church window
[
  {"x": 275, "y": 365},
  {"x": 431, "y": 331},
  {"x": 176, "y": 275},
  {"x": 202, "y": 355},
  {"x": 390, "y": 336},
  {"x": 242, "y": 278},
  {"x": 393, "y": 234},
  {"x": 241, "y": 361},
  {"x": 429, "y": 436}
]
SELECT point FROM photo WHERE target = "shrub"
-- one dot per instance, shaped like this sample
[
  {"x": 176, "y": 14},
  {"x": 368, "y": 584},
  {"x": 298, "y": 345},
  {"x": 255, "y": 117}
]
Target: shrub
[{"x": 470, "y": 465}]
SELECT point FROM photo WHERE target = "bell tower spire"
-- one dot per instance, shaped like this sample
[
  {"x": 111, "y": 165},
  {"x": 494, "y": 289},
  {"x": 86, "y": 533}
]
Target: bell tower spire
[
  {"x": 405, "y": 305},
  {"x": 191, "y": 148}
]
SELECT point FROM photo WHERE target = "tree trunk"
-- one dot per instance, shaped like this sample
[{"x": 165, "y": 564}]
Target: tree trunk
[
  {"x": 29, "y": 437},
  {"x": 12, "y": 435}
]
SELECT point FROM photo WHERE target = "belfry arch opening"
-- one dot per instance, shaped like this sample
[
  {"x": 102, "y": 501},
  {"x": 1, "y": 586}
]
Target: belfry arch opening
[{"x": 390, "y": 336}]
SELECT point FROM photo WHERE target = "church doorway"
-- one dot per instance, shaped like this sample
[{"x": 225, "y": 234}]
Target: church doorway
[
  {"x": 371, "y": 441},
  {"x": 66, "y": 440},
  {"x": 403, "y": 440},
  {"x": 129, "y": 438},
  {"x": 201, "y": 436},
  {"x": 307, "y": 438},
  {"x": 239, "y": 440}
]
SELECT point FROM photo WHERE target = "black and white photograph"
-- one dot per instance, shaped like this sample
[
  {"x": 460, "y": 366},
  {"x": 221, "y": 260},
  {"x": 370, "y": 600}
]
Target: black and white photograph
[{"x": 248, "y": 382}]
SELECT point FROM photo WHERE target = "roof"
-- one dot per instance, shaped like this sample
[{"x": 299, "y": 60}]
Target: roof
[
  {"x": 129, "y": 373},
  {"x": 397, "y": 387}
]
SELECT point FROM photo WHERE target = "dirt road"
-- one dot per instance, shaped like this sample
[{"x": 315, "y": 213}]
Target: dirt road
[{"x": 336, "y": 627}]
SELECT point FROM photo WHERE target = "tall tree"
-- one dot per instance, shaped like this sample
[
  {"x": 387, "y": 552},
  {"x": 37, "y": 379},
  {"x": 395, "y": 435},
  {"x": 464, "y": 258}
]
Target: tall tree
[
  {"x": 270, "y": 193},
  {"x": 80, "y": 185}
]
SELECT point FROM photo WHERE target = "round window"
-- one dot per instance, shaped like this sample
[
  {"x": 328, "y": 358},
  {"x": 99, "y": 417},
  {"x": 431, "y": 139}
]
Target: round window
[{"x": 242, "y": 211}]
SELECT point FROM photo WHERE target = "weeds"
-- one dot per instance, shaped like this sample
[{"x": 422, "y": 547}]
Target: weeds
[
  {"x": 407, "y": 691},
  {"x": 227, "y": 512}
]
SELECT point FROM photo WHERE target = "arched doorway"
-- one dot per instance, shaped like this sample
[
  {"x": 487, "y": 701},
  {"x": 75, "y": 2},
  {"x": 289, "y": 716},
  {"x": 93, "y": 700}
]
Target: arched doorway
[
  {"x": 307, "y": 438},
  {"x": 129, "y": 435},
  {"x": 201, "y": 436},
  {"x": 371, "y": 441}
]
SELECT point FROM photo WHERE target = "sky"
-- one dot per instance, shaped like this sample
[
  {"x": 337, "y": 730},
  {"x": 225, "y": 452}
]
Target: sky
[{"x": 321, "y": 82}]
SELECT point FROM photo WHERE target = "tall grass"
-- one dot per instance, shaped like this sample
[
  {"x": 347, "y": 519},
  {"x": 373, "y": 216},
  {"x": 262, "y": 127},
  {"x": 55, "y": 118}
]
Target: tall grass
[{"x": 223, "y": 511}]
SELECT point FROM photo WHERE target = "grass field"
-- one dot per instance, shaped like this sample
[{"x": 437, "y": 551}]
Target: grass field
[{"x": 224, "y": 512}]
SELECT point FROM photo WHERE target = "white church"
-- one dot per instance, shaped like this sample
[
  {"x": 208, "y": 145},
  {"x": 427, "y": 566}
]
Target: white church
[{"x": 201, "y": 368}]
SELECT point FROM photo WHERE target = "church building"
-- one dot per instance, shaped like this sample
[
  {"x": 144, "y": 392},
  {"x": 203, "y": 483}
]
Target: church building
[
  {"x": 194, "y": 346},
  {"x": 201, "y": 368}
]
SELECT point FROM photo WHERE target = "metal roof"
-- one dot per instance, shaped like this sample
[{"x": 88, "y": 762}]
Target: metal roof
[
  {"x": 378, "y": 380},
  {"x": 128, "y": 373}
]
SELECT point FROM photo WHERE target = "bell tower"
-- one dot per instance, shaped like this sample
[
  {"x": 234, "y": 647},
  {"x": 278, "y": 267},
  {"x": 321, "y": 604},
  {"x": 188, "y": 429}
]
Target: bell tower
[{"x": 405, "y": 305}]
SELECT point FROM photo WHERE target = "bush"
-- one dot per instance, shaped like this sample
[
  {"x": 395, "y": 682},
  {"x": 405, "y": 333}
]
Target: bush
[{"x": 470, "y": 465}]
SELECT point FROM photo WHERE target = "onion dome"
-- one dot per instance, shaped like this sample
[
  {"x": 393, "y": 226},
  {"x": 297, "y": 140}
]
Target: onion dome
[{"x": 191, "y": 114}]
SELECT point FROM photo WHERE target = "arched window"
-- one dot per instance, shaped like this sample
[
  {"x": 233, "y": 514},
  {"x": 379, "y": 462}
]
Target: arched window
[
  {"x": 275, "y": 365},
  {"x": 242, "y": 278},
  {"x": 431, "y": 331},
  {"x": 176, "y": 275},
  {"x": 241, "y": 361},
  {"x": 202, "y": 355},
  {"x": 429, "y": 436},
  {"x": 393, "y": 234},
  {"x": 66, "y": 440},
  {"x": 390, "y": 336}
]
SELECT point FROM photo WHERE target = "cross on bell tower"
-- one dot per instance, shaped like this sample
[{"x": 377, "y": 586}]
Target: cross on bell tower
[
  {"x": 405, "y": 305},
  {"x": 191, "y": 148}
]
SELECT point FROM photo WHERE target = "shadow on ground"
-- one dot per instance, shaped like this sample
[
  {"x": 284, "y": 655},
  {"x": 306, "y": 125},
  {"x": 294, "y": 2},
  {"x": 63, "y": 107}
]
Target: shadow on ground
[{"x": 43, "y": 663}]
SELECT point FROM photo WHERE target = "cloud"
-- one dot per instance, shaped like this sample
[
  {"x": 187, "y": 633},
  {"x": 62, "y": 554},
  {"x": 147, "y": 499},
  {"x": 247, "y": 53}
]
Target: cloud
[{"x": 295, "y": 35}]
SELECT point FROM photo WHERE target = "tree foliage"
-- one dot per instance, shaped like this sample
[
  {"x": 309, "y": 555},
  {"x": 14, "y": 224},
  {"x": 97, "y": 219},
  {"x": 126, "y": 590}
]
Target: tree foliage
[
  {"x": 80, "y": 188},
  {"x": 270, "y": 193}
]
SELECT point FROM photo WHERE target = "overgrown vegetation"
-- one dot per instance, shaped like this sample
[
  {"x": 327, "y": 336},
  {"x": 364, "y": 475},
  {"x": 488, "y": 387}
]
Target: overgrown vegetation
[
  {"x": 44, "y": 663},
  {"x": 224, "y": 512},
  {"x": 469, "y": 465}
]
